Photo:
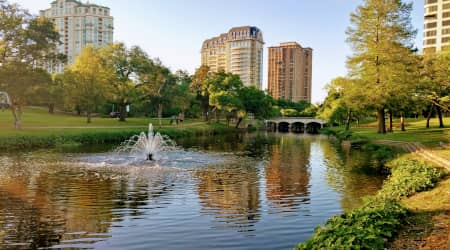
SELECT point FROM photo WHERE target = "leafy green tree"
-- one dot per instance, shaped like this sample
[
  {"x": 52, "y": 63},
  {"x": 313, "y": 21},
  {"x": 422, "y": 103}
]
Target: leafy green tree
[
  {"x": 128, "y": 65},
  {"x": 156, "y": 85},
  {"x": 381, "y": 36},
  {"x": 20, "y": 81},
  {"x": 25, "y": 43},
  {"x": 223, "y": 90},
  {"x": 87, "y": 81},
  {"x": 200, "y": 87},
  {"x": 434, "y": 87},
  {"x": 254, "y": 101}
]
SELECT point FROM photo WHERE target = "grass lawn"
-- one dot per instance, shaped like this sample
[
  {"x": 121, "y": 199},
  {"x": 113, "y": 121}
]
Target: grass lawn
[
  {"x": 415, "y": 132},
  {"x": 36, "y": 119}
]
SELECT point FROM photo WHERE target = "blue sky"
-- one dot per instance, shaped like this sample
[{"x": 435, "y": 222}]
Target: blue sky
[{"x": 173, "y": 30}]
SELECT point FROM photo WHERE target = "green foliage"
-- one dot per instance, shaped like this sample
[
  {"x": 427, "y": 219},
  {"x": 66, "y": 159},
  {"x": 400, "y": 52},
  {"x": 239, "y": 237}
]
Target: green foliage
[
  {"x": 300, "y": 108},
  {"x": 380, "y": 154},
  {"x": 369, "y": 226},
  {"x": 407, "y": 178},
  {"x": 74, "y": 137}
]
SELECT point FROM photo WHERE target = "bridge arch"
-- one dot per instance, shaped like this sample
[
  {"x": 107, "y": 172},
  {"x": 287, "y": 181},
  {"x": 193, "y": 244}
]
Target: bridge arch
[
  {"x": 313, "y": 127},
  {"x": 295, "y": 124},
  {"x": 283, "y": 127},
  {"x": 298, "y": 127}
]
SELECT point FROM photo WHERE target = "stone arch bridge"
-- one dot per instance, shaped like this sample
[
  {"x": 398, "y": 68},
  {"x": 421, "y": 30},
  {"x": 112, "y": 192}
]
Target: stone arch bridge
[{"x": 295, "y": 124}]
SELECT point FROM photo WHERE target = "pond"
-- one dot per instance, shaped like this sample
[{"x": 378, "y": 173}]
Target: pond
[{"x": 243, "y": 191}]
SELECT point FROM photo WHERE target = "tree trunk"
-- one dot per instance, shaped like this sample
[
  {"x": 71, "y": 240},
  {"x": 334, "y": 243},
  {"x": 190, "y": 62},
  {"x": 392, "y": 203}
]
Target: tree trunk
[
  {"x": 217, "y": 116},
  {"x": 160, "y": 109},
  {"x": 390, "y": 128},
  {"x": 122, "y": 112},
  {"x": 402, "y": 121},
  {"x": 239, "y": 122},
  {"x": 89, "y": 116},
  {"x": 430, "y": 112},
  {"x": 347, "y": 123},
  {"x": 381, "y": 123},
  {"x": 51, "y": 108},
  {"x": 17, "y": 113},
  {"x": 439, "y": 113}
]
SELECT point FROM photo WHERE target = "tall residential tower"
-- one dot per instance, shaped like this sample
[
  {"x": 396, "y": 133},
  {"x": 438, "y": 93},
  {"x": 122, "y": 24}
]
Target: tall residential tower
[
  {"x": 290, "y": 72},
  {"x": 436, "y": 33},
  {"x": 79, "y": 24},
  {"x": 240, "y": 51}
]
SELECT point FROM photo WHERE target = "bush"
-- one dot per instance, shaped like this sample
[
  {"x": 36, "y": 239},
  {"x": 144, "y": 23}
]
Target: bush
[
  {"x": 407, "y": 178},
  {"x": 364, "y": 228}
]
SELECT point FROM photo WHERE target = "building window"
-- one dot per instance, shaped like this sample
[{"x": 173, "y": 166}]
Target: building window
[{"x": 430, "y": 25}]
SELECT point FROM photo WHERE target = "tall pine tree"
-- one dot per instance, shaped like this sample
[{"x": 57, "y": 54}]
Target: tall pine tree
[{"x": 381, "y": 36}]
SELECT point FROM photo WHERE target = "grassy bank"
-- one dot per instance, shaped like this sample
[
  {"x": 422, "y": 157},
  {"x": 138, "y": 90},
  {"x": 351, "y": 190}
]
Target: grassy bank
[
  {"x": 47, "y": 138},
  {"x": 403, "y": 215},
  {"x": 415, "y": 132},
  {"x": 43, "y": 130},
  {"x": 371, "y": 225}
]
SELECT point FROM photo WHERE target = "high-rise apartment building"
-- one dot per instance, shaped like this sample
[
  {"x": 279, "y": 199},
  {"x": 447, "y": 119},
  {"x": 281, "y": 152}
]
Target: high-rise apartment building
[
  {"x": 79, "y": 24},
  {"x": 436, "y": 33},
  {"x": 290, "y": 72},
  {"x": 240, "y": 51}
]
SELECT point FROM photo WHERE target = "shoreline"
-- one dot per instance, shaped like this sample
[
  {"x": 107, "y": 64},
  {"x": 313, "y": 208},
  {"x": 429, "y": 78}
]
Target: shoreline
[{"x": 421, "y": 223}]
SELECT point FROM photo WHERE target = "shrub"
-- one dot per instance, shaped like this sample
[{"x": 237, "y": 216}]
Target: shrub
[{"x": 407, "y": 178}]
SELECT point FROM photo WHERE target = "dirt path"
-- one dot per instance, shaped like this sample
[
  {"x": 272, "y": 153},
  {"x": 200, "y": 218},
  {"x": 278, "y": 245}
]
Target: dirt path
[
  {"x": 429, "y": 225},
  {"x": 420, "y": 150}
]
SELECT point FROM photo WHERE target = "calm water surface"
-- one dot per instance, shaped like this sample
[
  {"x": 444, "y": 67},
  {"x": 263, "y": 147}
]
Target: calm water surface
[{"x": 263, "y": 191}]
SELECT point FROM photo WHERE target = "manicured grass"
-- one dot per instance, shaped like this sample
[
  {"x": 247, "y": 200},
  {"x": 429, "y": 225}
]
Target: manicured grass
[
  {"x": 415, "y": 132},
  {"x": 44, "y": 130},
  {"x": 34, "y": 117}
]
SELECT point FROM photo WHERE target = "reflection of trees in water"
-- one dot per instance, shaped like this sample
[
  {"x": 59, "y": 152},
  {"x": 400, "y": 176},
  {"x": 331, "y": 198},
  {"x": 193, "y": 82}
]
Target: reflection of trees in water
[
  {"x": 231, "y": 195},
  {"x": 344, "y": 174},
  {"x": 40, "y": 204},
  {"x": 287, "y": 173}
]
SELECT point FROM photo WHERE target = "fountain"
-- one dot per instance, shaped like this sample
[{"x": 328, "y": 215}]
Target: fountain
[{"x": 146, "y": 145}]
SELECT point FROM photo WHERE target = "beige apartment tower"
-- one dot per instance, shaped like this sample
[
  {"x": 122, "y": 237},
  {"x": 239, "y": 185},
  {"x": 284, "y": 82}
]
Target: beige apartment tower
[
  {"x": 290, "y": 72},
  {"x": 79, "y": 24},
  {"x": 240, "y": 51},
  {"x": 436, "y": 35}
]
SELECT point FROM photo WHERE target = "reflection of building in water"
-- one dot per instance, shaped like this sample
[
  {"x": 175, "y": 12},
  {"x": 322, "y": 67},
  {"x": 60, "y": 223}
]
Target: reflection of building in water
[
  {"x": 287, "y": 174},
  {"x": 231, "y": 195}
]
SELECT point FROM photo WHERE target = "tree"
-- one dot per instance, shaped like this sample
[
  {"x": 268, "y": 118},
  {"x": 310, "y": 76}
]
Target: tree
[
  {"x": 223, "y": 91},
  {"x": 200, "y": 86},
  {"x": 255, "y": 101},
  {"x": 26, "y": 42},
  {"x": 128, "y": 66},
  {"x": 87, "y": 81},
  {"x": 434, "y": 87},
  {"x": 157, "y": 83},
  {"x": 20, "y": 81},
  {"x": 381, "y": 36}
]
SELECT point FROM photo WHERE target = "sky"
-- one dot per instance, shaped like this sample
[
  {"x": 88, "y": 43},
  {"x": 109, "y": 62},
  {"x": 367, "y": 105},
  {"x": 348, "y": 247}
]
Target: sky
[{"x": 174, "y": 30}]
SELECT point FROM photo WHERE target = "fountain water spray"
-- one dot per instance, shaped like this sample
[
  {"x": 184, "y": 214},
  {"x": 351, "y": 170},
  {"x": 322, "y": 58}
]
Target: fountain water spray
[{"x": 146, "y": 145}]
